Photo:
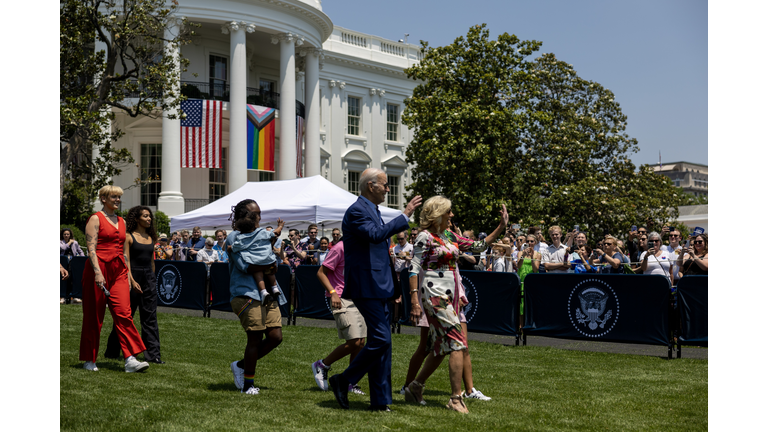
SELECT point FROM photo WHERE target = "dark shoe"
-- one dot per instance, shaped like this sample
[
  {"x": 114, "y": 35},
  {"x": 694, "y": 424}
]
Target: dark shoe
[
  {"x": 379, "y": 408},
  {"x": 112, "y": 356},
  {"x": 340, "y": 387},
  {"x": 157, "y": 361}
]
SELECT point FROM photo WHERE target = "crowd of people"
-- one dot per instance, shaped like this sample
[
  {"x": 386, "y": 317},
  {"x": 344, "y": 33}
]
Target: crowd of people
[{"x": 354, "y": 269}]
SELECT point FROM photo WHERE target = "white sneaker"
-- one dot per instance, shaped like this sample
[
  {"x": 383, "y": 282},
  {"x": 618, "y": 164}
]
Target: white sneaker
[
  {"x": 477, "y": 394},
  {"x": 355, "y": 389},
  {"x": 321, "y": 375},
  {"x": 239, "y": 375},
  {"x": 133, "y": 365},
  {"x": 91, "y": 366},
  {"x": 251, "y": 391}
]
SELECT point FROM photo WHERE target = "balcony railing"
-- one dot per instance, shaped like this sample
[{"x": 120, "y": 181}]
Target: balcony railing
[{"x": 216, "y": 91}]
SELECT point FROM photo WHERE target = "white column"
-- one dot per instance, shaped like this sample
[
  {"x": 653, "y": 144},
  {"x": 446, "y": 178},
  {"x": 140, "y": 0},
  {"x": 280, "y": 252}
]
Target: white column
[
  {"x": 171, "y": 200},
  {"x": 238, "y": 116},
  {"x": 287, "y": 163},
  {"x": 312, "y": 110}
]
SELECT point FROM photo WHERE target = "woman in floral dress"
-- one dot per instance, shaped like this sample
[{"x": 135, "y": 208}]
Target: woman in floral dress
[{"x": 435, "y": 256}]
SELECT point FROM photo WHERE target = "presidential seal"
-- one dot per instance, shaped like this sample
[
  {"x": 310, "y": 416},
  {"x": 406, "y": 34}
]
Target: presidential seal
[
  {"x": 168, "y": 284},
  {"x": 593, "y": 308},
  {"x": 471, "y": 293}
]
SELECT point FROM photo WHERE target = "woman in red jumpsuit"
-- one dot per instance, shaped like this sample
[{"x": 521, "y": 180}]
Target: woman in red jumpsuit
[{"x": 104, "y": 273}]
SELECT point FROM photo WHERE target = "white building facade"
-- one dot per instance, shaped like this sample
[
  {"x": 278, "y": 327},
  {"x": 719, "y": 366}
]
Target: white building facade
[{"x": 348, "y": 87}]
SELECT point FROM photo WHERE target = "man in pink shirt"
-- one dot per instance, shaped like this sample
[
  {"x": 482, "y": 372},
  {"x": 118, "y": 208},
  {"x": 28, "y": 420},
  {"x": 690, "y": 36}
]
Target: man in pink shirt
[{"x": 349, "y": 322}]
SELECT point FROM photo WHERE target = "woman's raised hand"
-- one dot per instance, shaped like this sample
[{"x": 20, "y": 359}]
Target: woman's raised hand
[{"x": 504, "y": 215}]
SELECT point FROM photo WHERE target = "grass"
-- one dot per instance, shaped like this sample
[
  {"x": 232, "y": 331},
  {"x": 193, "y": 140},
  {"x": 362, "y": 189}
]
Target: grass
[{"x": 533, "y": 388}]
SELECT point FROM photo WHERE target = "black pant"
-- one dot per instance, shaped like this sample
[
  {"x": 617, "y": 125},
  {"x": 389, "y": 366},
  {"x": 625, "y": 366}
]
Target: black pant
[{"x": 146, "y": 302}]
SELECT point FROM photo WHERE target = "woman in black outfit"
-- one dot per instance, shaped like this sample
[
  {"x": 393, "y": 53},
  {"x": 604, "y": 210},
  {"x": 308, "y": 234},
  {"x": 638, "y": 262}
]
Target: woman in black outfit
[{"x": 139, "y": 249}]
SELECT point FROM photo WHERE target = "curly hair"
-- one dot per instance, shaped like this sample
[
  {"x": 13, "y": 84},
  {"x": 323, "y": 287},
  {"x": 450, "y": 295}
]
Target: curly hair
[
  {"x": 132, "y": 221},
  {"x": 72, "y": 236},
  {"x": 239, "y": 211}
]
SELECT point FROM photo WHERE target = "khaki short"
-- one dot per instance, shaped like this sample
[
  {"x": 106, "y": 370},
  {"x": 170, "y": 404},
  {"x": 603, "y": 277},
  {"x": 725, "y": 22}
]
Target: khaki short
[
  {"x": 254, "y": 316},
  {"x": 349, "y": 321}
]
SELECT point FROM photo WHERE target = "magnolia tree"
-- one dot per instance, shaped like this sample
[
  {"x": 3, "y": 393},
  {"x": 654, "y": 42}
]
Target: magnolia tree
[
  {"x": 135, "y": 74},
  {"x": 492, "y": 125}
]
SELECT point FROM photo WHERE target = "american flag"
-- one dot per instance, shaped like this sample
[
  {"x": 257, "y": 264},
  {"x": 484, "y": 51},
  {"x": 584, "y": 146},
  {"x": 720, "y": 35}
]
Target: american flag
[
  {"x": 299, "y": 140},
  {"x": 201, "y": 134}
]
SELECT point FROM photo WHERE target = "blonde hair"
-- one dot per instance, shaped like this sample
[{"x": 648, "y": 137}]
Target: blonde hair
[
  {"x": 433, "y": 210},
  {"x": 109, "y": 190}
]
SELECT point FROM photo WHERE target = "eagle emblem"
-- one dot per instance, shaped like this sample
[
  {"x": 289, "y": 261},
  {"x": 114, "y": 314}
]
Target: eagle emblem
[
  {"x": 169, "y": 285},
  {"x": 593, "y": 302}
]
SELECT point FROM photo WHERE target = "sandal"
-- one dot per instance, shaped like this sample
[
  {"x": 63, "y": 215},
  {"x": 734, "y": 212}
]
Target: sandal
[
  {"x": 456, "y": 403},
  {"x": 414, "y": 393}
]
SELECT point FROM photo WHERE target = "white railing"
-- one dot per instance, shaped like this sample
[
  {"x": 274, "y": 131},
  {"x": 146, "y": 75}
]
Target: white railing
[
  {"x": 392, "y": 49},
  {"x": 353, "y": 39}
]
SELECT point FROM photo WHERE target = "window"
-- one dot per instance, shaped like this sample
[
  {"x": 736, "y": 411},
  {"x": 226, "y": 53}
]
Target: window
[
  {"x": 150, "y": 167},
  {"x": 353, "y": 185},
  {"x": 217, "y": 178},
  {"x": 266, "y": 176},
  {"x": 217, "y": 76},
  {"x": 678, "y": 182},
  {"x": 392, "y": 122},
  {"x": 393, "y": 197},
  {"x": 267, "y": 85},
  {"x": 353, "y": 115}
]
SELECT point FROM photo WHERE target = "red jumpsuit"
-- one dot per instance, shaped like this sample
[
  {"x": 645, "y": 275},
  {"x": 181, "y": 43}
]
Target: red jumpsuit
[{"x": 109, "y": 251}]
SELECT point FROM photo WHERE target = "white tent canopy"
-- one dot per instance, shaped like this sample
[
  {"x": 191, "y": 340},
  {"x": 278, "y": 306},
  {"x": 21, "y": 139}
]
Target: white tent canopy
[{"x": 298, "y": 202}]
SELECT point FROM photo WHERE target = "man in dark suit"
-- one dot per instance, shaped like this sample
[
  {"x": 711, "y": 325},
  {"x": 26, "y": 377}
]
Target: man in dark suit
[{"x": 369, "y": 284}]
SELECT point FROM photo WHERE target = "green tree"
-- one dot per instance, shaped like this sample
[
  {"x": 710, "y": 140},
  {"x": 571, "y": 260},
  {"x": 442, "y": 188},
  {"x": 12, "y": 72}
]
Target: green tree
[
  {"x": 491, "y": 125},
  {"x": 94, "y": 85}
]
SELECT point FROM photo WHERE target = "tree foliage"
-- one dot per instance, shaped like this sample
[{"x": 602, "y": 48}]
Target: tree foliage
[
  {"x": 94, "y": 85},
  {"x": 492, "y": 125}
]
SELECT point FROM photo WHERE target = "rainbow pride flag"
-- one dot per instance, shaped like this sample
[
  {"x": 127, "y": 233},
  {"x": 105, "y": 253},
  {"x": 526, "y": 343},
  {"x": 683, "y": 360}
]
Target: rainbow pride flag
[{"x": 261, "y": 138}]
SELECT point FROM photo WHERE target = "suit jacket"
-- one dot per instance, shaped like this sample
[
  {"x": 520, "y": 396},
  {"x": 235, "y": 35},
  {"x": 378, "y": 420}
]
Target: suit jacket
[{"x": 367, "y": 272}]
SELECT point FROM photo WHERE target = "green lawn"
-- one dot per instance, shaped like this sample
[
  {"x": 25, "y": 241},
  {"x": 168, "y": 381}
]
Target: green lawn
[{"x": 532, "y": 388}]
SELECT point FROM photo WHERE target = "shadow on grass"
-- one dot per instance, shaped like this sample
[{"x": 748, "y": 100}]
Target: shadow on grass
[
  {"x": 353, "y": 405},
  {"x": 229, "y": 386},
  {"x": 110, "y": 366}
]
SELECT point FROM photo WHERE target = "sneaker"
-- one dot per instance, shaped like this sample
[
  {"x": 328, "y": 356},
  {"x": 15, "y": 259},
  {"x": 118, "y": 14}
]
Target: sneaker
[
  {"x": 321, "y": 375},
  {"x": 251, "y": 391},
  {"x": 77, "y": 301},
  {"x": 239, "y": 375},
  {"x": 476, "y": 394},
  {"x": 133, "y": 365},
  {"x": 402, "y": 390},
  {"x": 91, "y": 366},
  {"x": 62, "y": 300},
  {"x": 356, "y": 389}
]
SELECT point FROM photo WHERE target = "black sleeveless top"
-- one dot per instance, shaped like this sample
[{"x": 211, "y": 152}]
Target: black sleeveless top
[
  {"x": 691, "y": 268},
  {"x": 141, "y": 254}
]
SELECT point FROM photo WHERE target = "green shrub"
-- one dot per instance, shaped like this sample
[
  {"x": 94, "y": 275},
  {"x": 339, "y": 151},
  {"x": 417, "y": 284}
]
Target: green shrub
[{"x": 162, "y": 223}]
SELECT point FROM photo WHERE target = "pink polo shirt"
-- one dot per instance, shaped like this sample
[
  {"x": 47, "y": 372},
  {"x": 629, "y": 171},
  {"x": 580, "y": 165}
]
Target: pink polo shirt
[{"x": 334, "y": 262}]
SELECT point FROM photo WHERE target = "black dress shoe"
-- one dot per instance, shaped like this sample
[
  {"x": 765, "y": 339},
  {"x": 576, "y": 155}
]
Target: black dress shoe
[
  {"x": 340, "y": 387},
  {"x": 379, "y": 408},
  {"x": 156, "y": 361}
]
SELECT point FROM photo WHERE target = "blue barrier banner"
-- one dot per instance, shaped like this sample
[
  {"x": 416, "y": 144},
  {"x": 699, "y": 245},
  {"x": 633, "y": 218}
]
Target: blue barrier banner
[
  {"x": 310, "y": 293},
  {"x": 494, "y": 301},
  {"x": 76, "y": 267},
  {"x": 219, "y": 285},
  {"x": 692, "y": 301},
  {"x": 604, "y": 307},
  {"x": 64, "y": 284},
  {"x": 219, "y": 278},
  {"x": 181, "y": 284},
  {"x": 283, "y": 277}
]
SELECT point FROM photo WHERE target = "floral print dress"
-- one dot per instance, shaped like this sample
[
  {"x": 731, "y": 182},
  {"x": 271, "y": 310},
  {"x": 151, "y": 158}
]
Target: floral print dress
[{"x": 434, "y": 258}]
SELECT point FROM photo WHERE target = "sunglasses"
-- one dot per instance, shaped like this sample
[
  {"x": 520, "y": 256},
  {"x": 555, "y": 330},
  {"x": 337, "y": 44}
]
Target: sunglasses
[
  {"x": 698, "y": 242},
  {"x": 642, "y": 232},
  {"x": 674, "y": 235},
  {"x": 653, "y": 241}
]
